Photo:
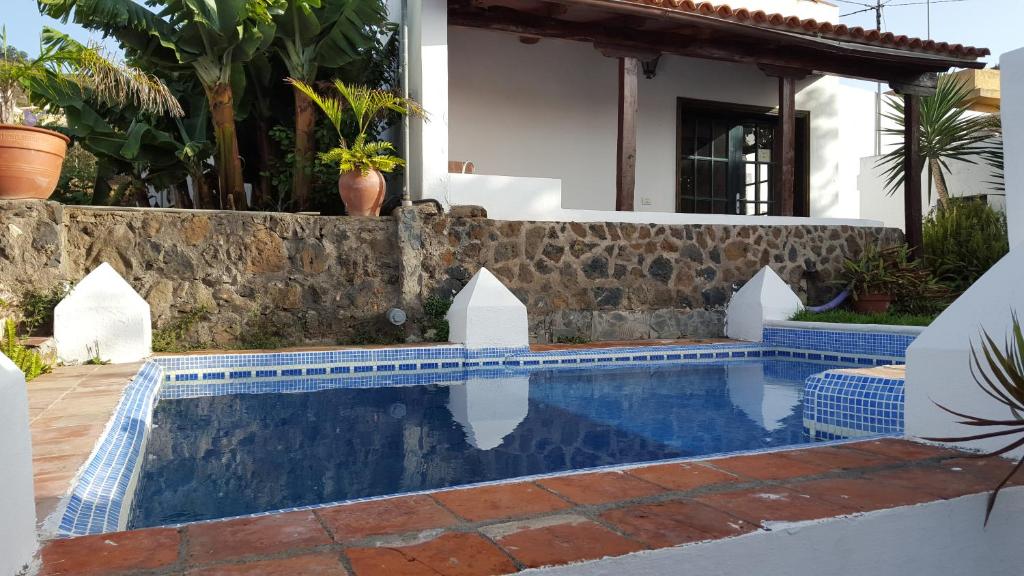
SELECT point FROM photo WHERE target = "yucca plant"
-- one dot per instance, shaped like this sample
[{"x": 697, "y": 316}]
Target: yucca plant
[
  {"x": 30, "y": 362},
  {"x": 1000, "y": 374},
  {"x": 949, "y": 131}
]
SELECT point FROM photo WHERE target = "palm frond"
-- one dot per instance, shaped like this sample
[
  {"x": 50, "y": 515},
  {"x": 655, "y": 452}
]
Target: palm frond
[{"x": 331, "y": 107}]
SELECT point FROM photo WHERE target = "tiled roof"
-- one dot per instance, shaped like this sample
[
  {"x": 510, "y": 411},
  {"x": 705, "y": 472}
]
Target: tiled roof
[{"x": 812, "y": 27}]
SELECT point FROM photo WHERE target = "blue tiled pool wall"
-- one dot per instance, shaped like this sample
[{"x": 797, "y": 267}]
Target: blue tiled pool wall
[
  {"x": 97, "y": 497},
  {"x": 839, "y": 342},
  {"x": 838, "y": 404}
]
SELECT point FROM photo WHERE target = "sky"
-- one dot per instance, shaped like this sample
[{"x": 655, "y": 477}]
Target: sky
[{"x": 993, "y": 24}]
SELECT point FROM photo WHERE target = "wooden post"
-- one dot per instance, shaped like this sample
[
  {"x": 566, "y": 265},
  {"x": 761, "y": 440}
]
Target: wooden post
[
  {"x": 785, "y": 147},
  {"x": 625, "y": 156},
  {"x": 912, "y": 174}
]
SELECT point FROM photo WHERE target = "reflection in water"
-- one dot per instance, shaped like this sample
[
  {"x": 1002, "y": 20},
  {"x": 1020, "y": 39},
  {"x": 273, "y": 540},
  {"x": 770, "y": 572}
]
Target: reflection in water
[{"x": 218, "y": 456}]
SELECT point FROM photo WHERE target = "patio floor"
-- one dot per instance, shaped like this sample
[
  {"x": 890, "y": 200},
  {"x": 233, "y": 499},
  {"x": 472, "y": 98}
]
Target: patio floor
[{"x": 486, "y": 530}]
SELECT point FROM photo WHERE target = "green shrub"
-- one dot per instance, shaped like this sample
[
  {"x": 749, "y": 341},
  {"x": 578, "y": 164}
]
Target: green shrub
[
  {"x": 843, "y": 316},
  {"x": 174, "y": 336},
  {"x": 435, "y": 325},
  {"x": 889, "y": 270},
  {"x": 260, "y": 333},
  {"x": 962, "y": 241},
  {"x": 28, "y": 361},
  {"x": 36, "y": 309}
]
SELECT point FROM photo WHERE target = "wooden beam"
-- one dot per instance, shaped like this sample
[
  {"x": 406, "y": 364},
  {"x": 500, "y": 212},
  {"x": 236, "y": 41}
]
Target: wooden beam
[
  {"x": 912, "y": 174},
  {"x": 625, "y": 155},
  {"x": 785, "y": 147}
]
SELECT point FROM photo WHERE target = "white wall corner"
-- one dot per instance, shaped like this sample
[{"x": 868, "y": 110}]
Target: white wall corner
[
  {"x": 17, "y": 498},
  {"x": 103, "y": 316},
  {"x": 764, "y": 297},
  {"x": 938, "y": 362},
  {"x": 1011, "y": 77},
  {"x": 486, "y": 314}
]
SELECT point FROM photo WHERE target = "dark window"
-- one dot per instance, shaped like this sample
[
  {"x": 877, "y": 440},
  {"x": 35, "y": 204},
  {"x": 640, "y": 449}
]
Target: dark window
[{"x": 727, "y": 160}]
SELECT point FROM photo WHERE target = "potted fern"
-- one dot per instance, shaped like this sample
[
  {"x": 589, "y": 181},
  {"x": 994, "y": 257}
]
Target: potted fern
[
  {"x": 32, "y": 156},
  {"x": 361, "y": 162}
]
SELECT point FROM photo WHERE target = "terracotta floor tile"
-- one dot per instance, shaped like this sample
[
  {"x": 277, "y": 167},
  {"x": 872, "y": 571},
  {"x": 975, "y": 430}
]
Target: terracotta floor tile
[
  {"x": 383, "y": 517},
  {"x": 572, "y": 541},
  {"x": 903, "y": 449},
  {"x": 760, "y": 505},
  {"x": 771, "y": 466},
  {"x": 214, "y": 541},
  {"x": 65, "y": 463},
  {"x": 448, "y": 555},
  {"x": 501, "y": 501},
  {"x": 601, "y": 487},
  {"x": 861, "y": 494},
  {"x": 322, "y": 564},
  {"x": 940, "y": 482},
  {"x": 108, "y": 554},
  {"x": 993, "y": 470},
  {"x": 677, "y": 522},
  {"x": 840, "y": 458},
  {"x": 685, "y": 476}
]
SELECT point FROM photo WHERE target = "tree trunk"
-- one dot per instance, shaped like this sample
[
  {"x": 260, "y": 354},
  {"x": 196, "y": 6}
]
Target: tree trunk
[
  {"x": 305, "y": 119},
  {"x": 203, "y": 196},
  {"x": 101, "y": 187},
  {"x": 229, "y": 164},
  {"x": 141, "y": 193},
  {"x": 263, "y": 145},
  {"x": 940, "y": 181}
]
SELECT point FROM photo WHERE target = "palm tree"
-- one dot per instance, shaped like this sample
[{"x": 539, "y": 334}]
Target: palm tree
[
  {"x": 212, "y": 39},
  {"x": 70, "y": 64},
  {"x": 320, "y": 33},
  {"x": 948, "y": 132}
]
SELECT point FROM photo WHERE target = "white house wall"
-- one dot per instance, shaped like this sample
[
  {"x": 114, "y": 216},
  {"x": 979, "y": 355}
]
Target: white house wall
[{"x": 549, "y": 110}]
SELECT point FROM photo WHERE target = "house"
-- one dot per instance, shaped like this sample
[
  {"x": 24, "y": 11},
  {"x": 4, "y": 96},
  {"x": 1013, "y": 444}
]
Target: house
[{"x": 670, "y": 106}]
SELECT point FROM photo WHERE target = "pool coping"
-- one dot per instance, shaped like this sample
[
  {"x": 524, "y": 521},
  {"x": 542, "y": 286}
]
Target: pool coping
[{"x": 103, "y": 487}]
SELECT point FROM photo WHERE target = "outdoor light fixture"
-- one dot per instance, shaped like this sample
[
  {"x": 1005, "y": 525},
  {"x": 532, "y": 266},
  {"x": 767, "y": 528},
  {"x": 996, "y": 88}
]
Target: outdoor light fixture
[{"x": 650, "y": 67}]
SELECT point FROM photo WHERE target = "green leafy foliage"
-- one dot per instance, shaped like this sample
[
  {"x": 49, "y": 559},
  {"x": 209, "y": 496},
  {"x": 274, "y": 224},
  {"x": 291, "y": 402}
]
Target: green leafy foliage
[
  {"x": 77, "y": 177},
  {"x": 364, "y": 157},
  {"x": 176, "y": 335},
  {"x": 999, "y": 372},
  {"x": 30, "y": 362},
  {"x": 889, "y": 270},
  {"x": 36, "y": 309},
  {"x": 962, "y": 241},
  {"x": 842, "y": 316},
  {"x": 260, "y": 333},
  {"x": 435, "y": 325}
]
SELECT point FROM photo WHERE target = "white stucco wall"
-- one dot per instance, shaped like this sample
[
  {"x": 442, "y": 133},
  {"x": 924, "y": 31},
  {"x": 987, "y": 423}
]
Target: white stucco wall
[
  {"x": 428, "y": 85},
  {"x": 549, "y": 110},
  {"x": 17, "y": 498},
  {"x": 1012, "y": 89},
  {"x": 944, "y": 538}
]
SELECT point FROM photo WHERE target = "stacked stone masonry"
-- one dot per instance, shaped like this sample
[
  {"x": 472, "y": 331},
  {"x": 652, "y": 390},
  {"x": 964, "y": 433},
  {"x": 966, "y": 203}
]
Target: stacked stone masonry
[{"x": 319, "y": 279}]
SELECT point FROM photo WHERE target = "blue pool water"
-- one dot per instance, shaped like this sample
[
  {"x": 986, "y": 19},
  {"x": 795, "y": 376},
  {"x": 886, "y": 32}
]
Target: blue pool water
[{"x": 229, "y": 455}]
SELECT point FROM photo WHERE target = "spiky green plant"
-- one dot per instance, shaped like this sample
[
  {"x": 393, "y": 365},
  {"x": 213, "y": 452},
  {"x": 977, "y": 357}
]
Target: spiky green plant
[
  {"x": 30, "y": 362},
  {"x": 367, "y": 107},
  {"x": 1000, "y": 374}
]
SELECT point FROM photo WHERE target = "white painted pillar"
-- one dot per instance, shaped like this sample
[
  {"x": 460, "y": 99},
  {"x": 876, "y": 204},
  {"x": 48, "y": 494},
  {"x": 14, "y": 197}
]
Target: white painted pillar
[
  {"x": 17, "y": 497},
  {"x": 428, "y": 84},
  {"x": 1011, "y": 75}
]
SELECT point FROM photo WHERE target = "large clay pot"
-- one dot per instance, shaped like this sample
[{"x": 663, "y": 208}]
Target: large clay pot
[
  {"x": 30, "y": 161},
  {"x": 362, "y": 193},
  {"x": 872, "y": 303}
]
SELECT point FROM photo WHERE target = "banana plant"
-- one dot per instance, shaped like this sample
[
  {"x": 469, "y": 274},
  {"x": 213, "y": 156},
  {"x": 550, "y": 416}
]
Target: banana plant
[
  {"x": 211, "y": 39},
  {"x": 315, "y": 34}
]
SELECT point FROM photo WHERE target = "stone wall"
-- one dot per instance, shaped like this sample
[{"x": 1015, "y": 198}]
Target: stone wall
[{"x": 323, "y": 279}]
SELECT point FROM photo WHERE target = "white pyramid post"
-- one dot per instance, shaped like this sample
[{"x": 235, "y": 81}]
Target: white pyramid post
[
  {"x": 17, "y": 498},
  {"x": 485, "y": 314},
  {"x": 764, "y": 297},
  {"x": 489, "y": 409},
  {"x": 103, "y": 317}
]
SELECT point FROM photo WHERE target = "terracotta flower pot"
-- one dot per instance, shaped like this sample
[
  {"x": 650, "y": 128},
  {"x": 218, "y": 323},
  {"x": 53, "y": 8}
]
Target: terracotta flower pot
[
  {"x": 30, "y": 161},
  {"x": 872, "y": 303},
  {"x": 362, "y": 193}
]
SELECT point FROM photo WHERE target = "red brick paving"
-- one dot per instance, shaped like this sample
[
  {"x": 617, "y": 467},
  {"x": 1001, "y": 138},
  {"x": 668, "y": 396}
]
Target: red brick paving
[
  {"x": 384, "y": 517},
  {"x": 262, "y": 535},
  {"x": 600, "y": 488},
  {"x": 500, "y": 502},
  {"x": 453, "y": 554},
  {"x": 571, "y": 541},
  {"x": 502, "y": 528}
]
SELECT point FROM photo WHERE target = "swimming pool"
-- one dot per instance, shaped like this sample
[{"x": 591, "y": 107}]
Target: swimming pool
[
  {"x": 208, "y": 436},
  {"x": 236, "y": 454}
]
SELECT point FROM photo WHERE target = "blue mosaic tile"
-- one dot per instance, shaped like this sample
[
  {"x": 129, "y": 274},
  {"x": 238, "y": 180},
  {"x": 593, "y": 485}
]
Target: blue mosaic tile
[
  {"x": 888, "y": 344},
  {"x": 840, "y": 404}
]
